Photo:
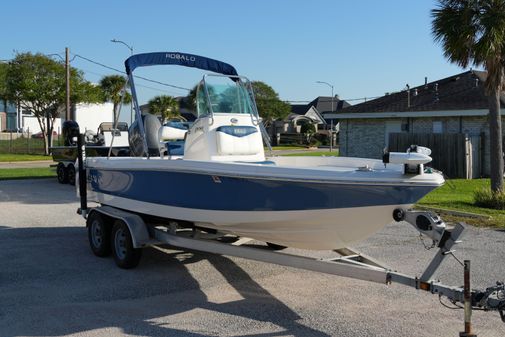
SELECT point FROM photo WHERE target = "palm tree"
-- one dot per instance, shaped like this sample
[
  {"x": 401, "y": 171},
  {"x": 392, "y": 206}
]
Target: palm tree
[
  {"x": 165, "y": 106},
  {"x": 112, "y": 85},
  {"x": 473, "y": 32}
]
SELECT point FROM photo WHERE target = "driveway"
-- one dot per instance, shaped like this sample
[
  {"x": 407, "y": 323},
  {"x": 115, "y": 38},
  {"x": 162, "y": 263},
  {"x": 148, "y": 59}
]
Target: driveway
[{"x": 52, "y": 285}]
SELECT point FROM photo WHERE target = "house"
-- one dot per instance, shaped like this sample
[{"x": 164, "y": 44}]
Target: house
[
  {"x": 88, "y": 116},
  {"x": 312, "y": 113},
  {"x": 452, "y": 106},
  {"x": 8, "y": 116}
]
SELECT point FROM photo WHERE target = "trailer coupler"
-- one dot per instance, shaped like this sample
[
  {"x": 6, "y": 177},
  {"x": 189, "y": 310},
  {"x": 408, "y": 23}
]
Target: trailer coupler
[
  {"x": 493, "y": 298},
  {"x": 445, "y": 238}
]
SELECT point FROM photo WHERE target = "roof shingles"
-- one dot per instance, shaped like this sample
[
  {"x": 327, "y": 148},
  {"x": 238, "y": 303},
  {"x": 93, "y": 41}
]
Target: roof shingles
[{"x": 459, "y": 92}]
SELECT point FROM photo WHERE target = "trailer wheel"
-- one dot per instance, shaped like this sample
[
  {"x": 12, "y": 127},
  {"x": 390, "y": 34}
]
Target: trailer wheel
[
  {"x": 274, "y": 246},
  {"x": 71, "y": 174},
  {"x": 125, "y": 255},
  {"x": 62, "y": 173},
  {"x": 98, "y": 234}
]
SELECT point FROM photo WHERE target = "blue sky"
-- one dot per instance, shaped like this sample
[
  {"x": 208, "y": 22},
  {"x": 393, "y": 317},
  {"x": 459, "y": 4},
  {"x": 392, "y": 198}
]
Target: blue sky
[{"x": 363, "y": 47}]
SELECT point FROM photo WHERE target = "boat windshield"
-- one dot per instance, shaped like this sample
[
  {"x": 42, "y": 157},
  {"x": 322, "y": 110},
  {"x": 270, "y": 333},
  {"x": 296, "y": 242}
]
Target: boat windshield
[{"x": 220, "y": 94}]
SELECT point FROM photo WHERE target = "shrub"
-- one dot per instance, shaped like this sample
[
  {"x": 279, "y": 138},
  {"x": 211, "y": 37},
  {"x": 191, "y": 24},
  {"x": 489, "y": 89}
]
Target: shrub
[{"x": 484, "y": 197}]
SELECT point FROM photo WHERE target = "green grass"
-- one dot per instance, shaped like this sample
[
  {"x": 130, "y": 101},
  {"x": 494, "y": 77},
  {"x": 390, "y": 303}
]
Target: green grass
[
  {"x": 27, "y": 173},
  {"x": 288, "y": 147},
  {"x": 458, "y": 195},
  {"x": 11, "y": 157},
  {"x": 313, "y": 154}
]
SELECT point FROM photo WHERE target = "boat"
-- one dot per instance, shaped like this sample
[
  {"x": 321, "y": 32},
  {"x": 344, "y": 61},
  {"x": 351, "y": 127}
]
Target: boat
[
  {"x": 222, "y": 180},
  {"x": 108, "y": 141}
]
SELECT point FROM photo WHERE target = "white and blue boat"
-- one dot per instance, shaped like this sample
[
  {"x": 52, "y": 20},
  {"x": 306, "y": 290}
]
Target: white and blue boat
[{"x": 223, "y": 181}]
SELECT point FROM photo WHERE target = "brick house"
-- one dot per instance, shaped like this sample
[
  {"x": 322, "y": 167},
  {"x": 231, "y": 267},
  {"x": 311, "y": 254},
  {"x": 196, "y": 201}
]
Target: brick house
[{"x": 453, "y": 105}]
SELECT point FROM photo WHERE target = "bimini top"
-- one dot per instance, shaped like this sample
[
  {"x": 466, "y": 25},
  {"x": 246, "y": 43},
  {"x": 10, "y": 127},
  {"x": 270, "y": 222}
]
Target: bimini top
[{"x": 182, "y": 59}]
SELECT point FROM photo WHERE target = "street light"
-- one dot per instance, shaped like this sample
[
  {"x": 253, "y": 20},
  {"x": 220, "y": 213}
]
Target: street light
[
  {"x": 127, "y": 46},
  {"x": 131, "y": 52},
  {"x": 331, "y": 127},
  {"x": 331, "y": 86}
]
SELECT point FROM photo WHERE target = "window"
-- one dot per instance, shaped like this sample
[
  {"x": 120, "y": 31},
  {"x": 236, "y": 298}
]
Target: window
[{"x": 438, "y": 127}]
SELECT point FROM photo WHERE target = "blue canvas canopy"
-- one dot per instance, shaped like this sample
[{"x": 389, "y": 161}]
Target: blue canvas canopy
[{"x": 176, "y": 58}]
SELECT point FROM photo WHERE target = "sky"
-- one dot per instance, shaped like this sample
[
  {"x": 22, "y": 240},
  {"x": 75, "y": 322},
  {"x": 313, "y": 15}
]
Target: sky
[{"x": 364, "y": 48}]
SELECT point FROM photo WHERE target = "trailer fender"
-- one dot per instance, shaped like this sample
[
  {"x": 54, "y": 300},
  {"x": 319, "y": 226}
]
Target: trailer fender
[{"x": 137, "y": 226}]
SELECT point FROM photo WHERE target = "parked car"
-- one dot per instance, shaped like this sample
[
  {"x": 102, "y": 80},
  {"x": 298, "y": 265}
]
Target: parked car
[{"x": 41, "y": 135}]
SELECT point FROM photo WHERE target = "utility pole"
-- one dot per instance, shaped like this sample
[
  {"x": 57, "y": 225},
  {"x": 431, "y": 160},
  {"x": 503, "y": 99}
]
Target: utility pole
[{"x": 67, "y": 91}]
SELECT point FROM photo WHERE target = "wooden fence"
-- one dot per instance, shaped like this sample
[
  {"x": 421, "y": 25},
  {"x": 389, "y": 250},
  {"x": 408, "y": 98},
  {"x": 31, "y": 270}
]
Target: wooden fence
[{"x": 451, "y": 152}]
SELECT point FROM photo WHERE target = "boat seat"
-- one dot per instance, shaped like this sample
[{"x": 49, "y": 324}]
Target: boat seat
[
  {"x": 175, "y": 148},
  {"x": 238, "y": 140},
  {"x": 171, "y": 132}
]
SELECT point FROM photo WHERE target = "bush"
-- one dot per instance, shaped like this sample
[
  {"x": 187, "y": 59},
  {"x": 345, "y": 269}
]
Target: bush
[
  {"x": 488, "y": 199},
  {"x": 314, "y": 142},
  {"x": 308, "y": 128}
]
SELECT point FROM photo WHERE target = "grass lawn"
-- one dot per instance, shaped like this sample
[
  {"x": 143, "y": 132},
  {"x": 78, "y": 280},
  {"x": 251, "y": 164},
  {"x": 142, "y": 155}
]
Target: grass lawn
[
  {"x": 11, "y": 157},
  {"x": 314, "y": 154},
  {"x": 25, "y": 145},
  {"x": 27, "y": 173},
  {"x": 457, "y": 195},
  {"x": 288, "y": 147}
]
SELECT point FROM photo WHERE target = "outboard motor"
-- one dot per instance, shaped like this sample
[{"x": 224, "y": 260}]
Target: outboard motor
[
  {"x": 70, "y": 132},
  {"x": 151, "y": 127}
]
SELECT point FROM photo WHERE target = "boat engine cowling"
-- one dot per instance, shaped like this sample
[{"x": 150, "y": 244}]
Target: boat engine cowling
[
  {"x": 70, "y": 131},
  {"x": 136, "y": 140}
]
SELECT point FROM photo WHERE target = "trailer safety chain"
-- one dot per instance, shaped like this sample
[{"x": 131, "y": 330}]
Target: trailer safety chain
[{"x": 427, "y": 247}]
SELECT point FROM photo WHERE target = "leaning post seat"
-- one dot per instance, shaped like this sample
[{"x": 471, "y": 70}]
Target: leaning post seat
[{"x": 238, "y": 140}]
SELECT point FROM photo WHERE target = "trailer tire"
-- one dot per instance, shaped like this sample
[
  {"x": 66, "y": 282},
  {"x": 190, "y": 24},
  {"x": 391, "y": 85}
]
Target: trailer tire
[
  {"x": 98, "y": 234},
  {"x": 71, "y": 174},
  {"x": 62, "y": 173},
  {"x": 125, "y": 255},
  {"x": 274, "y": 246}
]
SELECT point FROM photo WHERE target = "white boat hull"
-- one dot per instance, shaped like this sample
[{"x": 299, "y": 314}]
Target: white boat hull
[{"x": 309, "y": 229}]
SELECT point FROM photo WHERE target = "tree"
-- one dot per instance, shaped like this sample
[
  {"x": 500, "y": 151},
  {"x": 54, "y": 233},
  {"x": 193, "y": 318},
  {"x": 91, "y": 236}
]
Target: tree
[
  {"x": 112, "y": 86},
  {"x": 37, "y": 83},
  {"x": 165, "y": 106},
  {"x": 191, "y": 98},
  {"x": 473, "y": 32},
  {"x": 3, "y": 73},
  {"x": 270, "y": 107}
]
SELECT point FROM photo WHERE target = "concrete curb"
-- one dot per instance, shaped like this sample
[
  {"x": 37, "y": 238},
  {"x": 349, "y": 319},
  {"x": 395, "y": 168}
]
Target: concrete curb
[{"x": 455, "y": 213}]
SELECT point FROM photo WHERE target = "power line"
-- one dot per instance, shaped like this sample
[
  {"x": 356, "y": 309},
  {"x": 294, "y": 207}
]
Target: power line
[
  {"x": 341, "y": 99},
  {"x": 122, "y": 72},
  {"x": 175, "y": 86},
  {"x": 138, "y": 85}
]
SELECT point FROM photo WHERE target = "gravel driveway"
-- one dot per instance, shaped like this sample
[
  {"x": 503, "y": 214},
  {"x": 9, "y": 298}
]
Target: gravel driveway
[{"x": 52, "y": 285}]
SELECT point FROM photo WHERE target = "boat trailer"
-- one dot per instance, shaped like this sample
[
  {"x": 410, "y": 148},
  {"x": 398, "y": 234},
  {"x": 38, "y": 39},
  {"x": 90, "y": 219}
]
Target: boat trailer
[
  {"x": 124, "y": 234},
  {"x": 128, "y": 233}
]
